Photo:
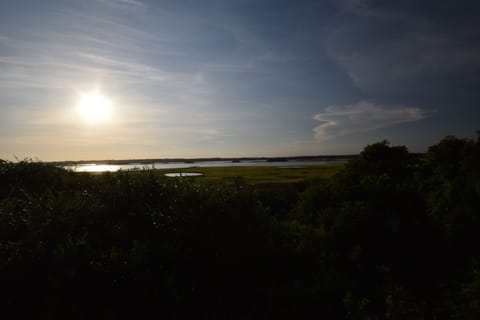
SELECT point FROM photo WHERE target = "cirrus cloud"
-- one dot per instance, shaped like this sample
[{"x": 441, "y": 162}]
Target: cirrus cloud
[
  {"x": 404, "y": 46},
  {"x": 362, "y": 116}
]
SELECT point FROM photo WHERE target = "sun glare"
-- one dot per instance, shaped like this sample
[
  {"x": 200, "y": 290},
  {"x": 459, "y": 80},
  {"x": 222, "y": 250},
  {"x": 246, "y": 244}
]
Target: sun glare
[{"x": 93, "y": 107}]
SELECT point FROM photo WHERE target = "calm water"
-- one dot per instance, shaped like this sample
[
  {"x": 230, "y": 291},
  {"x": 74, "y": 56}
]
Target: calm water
[{"x": 92, "y": 167}]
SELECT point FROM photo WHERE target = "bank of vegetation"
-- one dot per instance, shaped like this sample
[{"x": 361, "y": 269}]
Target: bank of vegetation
[{"x": 391, "y": 235}]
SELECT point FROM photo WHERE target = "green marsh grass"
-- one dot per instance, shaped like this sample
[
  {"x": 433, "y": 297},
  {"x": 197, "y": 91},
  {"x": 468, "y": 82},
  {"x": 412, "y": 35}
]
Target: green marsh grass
[{"x": 261, "y": 175}]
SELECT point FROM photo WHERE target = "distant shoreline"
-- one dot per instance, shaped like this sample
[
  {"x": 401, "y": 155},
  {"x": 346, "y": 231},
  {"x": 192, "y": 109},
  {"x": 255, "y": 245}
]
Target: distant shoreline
[{"x": 193, "y": 160}]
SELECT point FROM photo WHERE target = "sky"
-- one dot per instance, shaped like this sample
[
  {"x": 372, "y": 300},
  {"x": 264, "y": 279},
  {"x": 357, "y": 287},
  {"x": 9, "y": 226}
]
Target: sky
[{"x": 217, "y": 78}]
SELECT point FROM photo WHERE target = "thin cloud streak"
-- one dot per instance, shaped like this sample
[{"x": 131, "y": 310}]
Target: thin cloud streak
[
  {"x": 129, "y": 3},
  {"x": 363, "y": 116}
]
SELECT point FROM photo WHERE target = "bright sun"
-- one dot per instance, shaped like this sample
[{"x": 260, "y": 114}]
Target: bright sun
[{"x": 93, "y": 107}]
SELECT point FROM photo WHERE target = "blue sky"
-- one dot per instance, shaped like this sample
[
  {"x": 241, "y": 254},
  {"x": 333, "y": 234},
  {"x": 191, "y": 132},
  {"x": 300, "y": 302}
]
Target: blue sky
[{"x": 236, "y": 78}]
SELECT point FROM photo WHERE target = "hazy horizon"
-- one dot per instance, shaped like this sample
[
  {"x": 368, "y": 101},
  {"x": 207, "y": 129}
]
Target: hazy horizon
[
  {"x": 208, "y": 159},
  {"x": 141, "y": 79}
]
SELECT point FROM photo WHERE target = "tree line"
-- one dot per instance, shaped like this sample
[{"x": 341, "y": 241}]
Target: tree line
[{"x": 393, "y": 235}]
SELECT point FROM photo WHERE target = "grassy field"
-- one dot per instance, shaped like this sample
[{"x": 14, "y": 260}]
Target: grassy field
[{"x": 261, "y": 175}]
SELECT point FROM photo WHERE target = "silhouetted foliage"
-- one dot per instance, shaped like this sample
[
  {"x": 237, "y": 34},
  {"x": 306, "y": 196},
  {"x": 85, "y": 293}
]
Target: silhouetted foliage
[{"x": 392, "y": 236}]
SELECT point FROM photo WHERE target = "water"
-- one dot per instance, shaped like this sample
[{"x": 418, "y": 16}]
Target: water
[{"x": 92, "y": 167}]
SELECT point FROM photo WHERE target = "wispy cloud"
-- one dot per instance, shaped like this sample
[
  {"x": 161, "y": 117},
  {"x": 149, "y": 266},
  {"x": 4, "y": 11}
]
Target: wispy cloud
[
  {"x": 131, "y": 2},
  {"x": 125, "y": 3},
  {"x": 402, "y": 64},
  {"x": 83, "y": 48},
  {"x": 362, "y": 116},
  {"x": 392, "y": 47},
  {"x": 362, "y": 8}
]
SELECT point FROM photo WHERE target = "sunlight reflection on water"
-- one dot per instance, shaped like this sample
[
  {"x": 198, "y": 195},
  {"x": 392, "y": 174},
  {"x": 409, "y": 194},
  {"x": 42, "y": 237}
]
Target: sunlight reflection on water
[
  {"x": 97, "y": 168},
  {"x": 91, "y": 167}
]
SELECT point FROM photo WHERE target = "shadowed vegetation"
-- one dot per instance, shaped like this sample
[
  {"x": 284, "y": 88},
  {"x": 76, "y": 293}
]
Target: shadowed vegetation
[{"x": 389, "y": 235}]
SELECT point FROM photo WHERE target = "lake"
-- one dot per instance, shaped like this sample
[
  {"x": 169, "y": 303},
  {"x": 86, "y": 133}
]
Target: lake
[{"x": 93, "y": 167}]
